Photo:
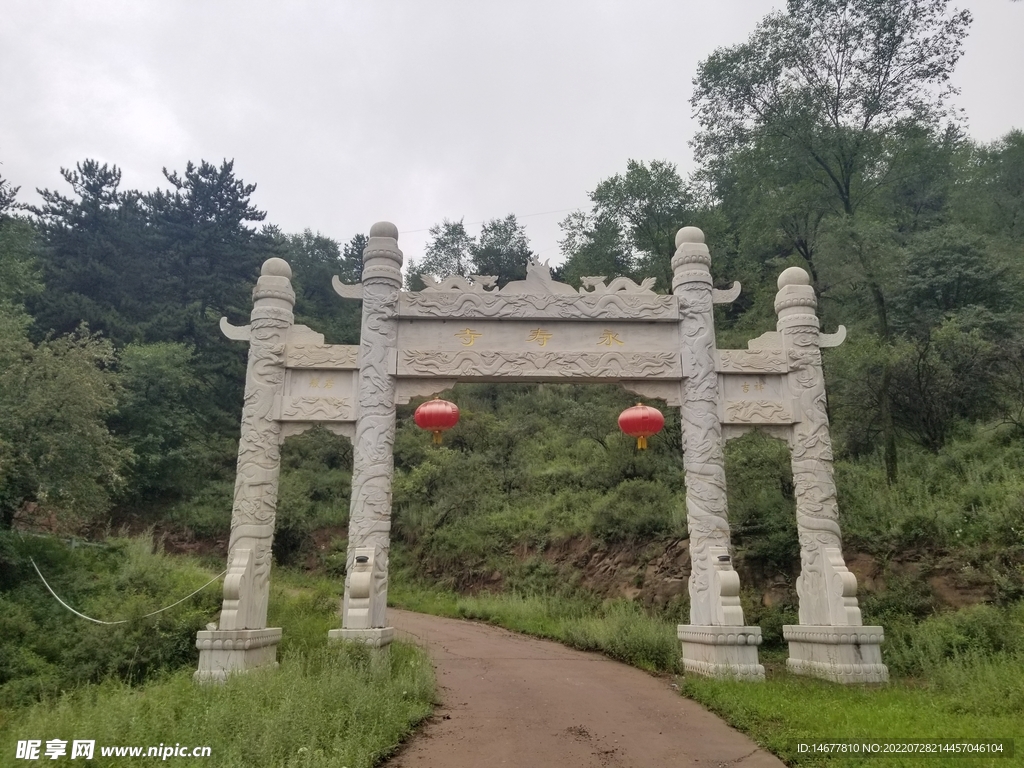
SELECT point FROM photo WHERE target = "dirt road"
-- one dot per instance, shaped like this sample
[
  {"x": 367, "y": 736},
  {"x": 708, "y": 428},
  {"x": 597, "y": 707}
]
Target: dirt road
[{"x": 511, "y": 700}]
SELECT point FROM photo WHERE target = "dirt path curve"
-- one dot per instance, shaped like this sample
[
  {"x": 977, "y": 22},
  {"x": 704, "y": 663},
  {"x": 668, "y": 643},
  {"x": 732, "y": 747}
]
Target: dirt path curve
[{"x": 512, "y": 700}]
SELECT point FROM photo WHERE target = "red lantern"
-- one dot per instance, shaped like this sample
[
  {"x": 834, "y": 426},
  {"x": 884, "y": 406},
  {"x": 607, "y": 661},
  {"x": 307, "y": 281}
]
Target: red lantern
[
  {"x": 641, "y": 421},
  {"x": 437, "y": 415}
]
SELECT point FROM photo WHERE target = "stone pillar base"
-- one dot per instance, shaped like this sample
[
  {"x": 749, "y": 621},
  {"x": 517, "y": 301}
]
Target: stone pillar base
[
  {"x": 379, "y": 637},
  {"x": 721, "y": 651},
  {"x": 223, "y": 652},
  {"x": 839, "y": 654}
]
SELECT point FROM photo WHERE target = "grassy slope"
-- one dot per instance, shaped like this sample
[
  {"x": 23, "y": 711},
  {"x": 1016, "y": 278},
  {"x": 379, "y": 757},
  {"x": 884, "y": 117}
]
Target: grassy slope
[
  {"x": 324, "y": 706},
  {"x": 327, "y": 707}
]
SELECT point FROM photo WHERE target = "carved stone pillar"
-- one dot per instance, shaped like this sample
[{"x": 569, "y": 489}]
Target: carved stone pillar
[
  {"x": 369, "y": 527},
  {"x": 830, "y": 641},
  {"x": 242, "y": 640},
  {"x": 715, "y": 643}
]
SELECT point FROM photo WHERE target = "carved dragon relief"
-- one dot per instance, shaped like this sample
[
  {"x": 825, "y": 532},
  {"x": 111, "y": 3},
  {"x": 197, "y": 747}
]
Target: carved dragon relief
[
  {"x": 703, "y": 449},
  {"x": 538, "y": 296},
  {"x": 767, "y": 360},
  {"x": 315, "y": 409},
  {"x": 374, "y": 437},
  {"x": 256, "y": 481},
  {"x": 594, "y": 286},
  {"x": 329, "y": 356},
  {"x": 781, "y": 432},
  {"x": 817, "y": 510},
  {"x": 619, "y": 305},
  {"x": 471, "y": 284},
  {"x": 614, "y": 365},
  {"x": 757, "y": 412}
]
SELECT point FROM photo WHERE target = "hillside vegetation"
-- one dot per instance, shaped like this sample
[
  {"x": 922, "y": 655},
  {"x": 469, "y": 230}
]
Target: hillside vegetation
[{"x": 63, "y": 677}]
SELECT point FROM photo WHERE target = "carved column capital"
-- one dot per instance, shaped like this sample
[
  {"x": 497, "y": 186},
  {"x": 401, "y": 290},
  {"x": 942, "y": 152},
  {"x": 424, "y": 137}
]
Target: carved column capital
[
  {"x": 382, "y": 259},
  {"x": 795, "y": 303},
  {"x": 692, "y": 260},
  {"x": 274, "y": 287}
]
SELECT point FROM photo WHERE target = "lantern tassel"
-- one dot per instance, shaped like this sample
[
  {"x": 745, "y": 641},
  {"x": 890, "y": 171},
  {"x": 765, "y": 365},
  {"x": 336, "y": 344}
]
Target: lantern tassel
[
  {"x": 437, "y": 438},
  {"x": 641, "y": 443}
]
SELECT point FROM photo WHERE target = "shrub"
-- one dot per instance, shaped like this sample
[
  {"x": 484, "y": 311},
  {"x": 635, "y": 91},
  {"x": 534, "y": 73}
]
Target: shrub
[
  {"x": 46, "y": 650},
  {"x": 636, "y": 509}
]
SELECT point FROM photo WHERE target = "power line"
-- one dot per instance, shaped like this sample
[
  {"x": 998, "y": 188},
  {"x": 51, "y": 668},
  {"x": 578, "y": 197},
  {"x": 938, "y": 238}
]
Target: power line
[{"x": 122, "y": 621}]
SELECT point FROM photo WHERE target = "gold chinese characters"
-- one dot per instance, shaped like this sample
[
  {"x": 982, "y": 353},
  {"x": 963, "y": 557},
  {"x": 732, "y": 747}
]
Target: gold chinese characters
[
  {"x": 608, "y": 338},
  {"x": 317, "y": 383},
  {"x": 468, "y": 336},
  {"x": 540, "y": 336}
]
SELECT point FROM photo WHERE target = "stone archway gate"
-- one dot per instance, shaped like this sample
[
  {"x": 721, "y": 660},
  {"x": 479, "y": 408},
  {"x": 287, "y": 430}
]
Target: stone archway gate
[{"x": 539, "y": 330}]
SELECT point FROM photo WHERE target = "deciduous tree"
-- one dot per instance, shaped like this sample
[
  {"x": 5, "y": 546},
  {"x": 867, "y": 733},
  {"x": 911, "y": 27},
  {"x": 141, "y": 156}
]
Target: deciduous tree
[{"x": 829, "y": 93}]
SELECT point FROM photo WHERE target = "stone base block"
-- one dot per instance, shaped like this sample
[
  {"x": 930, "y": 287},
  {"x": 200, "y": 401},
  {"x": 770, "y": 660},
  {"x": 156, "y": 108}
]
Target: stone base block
[
  {"x": 380, "y": 637},
  {"x": 721, "y": 651},
  {"x": 223, "y": 652},
  {"x": 839, "y": 654}
]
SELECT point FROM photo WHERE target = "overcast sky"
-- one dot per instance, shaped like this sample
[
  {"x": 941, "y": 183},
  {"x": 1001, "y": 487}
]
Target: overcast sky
[{"x": 412, "y": 111}]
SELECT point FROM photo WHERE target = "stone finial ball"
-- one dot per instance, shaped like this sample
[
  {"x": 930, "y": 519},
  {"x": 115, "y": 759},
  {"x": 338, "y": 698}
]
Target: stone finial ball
[
  {"x": 794, "y": 276},
  {"x": 689, "y": 235},
  {"x": 384, "y": 229},
  {"x": 276, "y": 267}
]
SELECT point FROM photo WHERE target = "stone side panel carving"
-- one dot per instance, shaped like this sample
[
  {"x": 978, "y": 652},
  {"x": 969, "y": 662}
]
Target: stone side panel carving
[
  {"x": 752, "y": 361},
  {"x": 327, "y": 356},
  {"x": 345, "y": 290},
  {"x": 315, "y": 409},
  {"x": 727, "y": 296},
  {"x": 757, "y": 412}
]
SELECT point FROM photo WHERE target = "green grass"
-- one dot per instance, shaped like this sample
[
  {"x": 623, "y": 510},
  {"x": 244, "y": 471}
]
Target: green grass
[
  {"x": 619, "y": 628},
  {"x": 45, "y": 650},
  {"x": 332, "y": 706},
  {"x": 958, "y": 675},
  {"x": 967, "y": 699},
  {"x": 326, "y": 705}
]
